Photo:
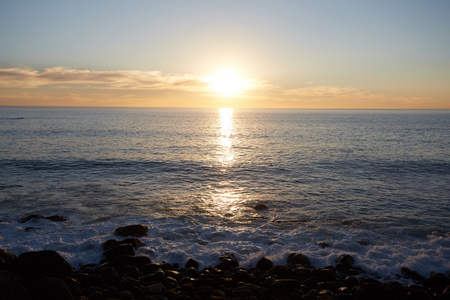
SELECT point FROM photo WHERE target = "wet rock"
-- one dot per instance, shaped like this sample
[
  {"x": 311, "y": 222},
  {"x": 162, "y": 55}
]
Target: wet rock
[
  {"x": 366, "y": 291},
  {"x": 114, "y": 242},
  {"x": 54, "y": 218},
  {"x": 437, "y": 282},
  {"x": 298, "y": 259},
  {"x": 132, "y": 230},
  {"x": 31, "y": 228},
  {"x": 412, "y": 274},
  {"x": 264, "y": 264},
  {"x": 228, "y": 264},
  {"x": 244, "y": 276},
  {"x": 192, "y": 273},
  {"x": 125, "y": 249},
  {"x": 136, "y": 261},
  {"x": 324, "y": 245},
  {"x": 125, "y": 295},
  {"x": 42, "y": 264},
  {"x": 192, "y": 263},
  {"x": 10, "y": 288},
  {"x": 50, "y": 288},
  {"x": 282, "y": 271},
  {"x": 7, "y": 260},
  {"x": 260, "y": 207},
  {"x": 344, "y": 262}
]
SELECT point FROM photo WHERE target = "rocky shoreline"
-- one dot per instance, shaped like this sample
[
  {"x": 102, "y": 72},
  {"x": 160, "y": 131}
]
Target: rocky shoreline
[{"x": 123, "y": 275}]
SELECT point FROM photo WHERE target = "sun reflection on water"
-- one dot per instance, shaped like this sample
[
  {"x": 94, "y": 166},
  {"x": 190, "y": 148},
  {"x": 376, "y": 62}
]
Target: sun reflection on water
[
  {"x": 226, "y": 198},
  {"x": 226, "y": 155}
]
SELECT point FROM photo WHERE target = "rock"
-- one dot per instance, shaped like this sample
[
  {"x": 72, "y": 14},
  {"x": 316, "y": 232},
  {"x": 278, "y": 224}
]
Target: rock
[
  {"x": 132, "y": 230},
  {"x": 260, "y": 207},
  {"x": 298, "y": 259},
  {"x": 31, "y": 228},
  {"x": 42, "y": 264},
  {"x": 50, "y": 288},
  {"x": 192, "y": 263},
  {"x": 134, "y": 261},
  {"x": 264, "y": 264},
  {"x": 36, "y": 216},
  {"x": 125, "y": 249},
  {"x": 412, "y": 274},
  {"x": 345, "y": 260},
  {"x": 437, "y": 282},
  {"x": 114, "y": 242},
  {"x": 324, "y": 245},
  {"x": 366, "y": 291},
  {"x": 7, "y": 260},
  {"x": 10, "y": 287},
  {"x": 228, "y": 264}
]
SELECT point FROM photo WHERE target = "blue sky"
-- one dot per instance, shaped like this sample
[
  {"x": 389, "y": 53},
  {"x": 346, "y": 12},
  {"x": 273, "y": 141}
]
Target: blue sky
[{"x": 310, "y": 54}]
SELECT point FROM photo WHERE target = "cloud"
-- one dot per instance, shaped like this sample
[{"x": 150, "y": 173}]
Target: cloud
[{"x": 121, "y": 79}]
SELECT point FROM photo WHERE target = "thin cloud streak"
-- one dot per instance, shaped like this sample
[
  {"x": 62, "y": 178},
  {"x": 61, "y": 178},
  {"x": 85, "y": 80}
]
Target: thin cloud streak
[{"x": 121, "y": 79}]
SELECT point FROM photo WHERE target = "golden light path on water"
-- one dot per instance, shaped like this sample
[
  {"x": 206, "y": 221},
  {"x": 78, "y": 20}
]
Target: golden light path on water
[{"x": 226, "y": 198}]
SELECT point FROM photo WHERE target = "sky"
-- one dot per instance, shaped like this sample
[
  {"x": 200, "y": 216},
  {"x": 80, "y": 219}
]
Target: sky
[{"x": 345, "y": 54}]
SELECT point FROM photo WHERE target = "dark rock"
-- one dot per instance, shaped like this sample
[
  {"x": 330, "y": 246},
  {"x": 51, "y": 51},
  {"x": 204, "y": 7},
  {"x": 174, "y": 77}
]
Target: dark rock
[
  {"x": 412, "y": 274},
  {"x": 324, "y": 274},
  {"x": 132, "y": 230},
  {"x": 345, "y": 260},
  {"x": 124, "y": 249},
  {"x": 437, "y": 282},
  {"x": 191, "y": 263},
  {"x": 228, "y": 264},
  {"x": 114, "y": 242},
  {"x": 282, "y": 271},
  {"x": 366, "y": 291},
  {"x": 244, "y": 276},
  {"x": 125, "y": 295},
  {"x": 10, "y": 288},
  {"x": 260, "y": 207},
  {"x": 264, "y": 264},
  {"x": 136, "y": 261},
  {"x": 31, "y": 228},
  {"x": 42, "y": 264},
  {"x": 392, "y": 291},
  {"x": 127, "y": 282},
  {"x": 54, "y": 218},
  {"x": 324, "y": 245},
  {"x": 298, "y": 259},
  {"x": 7, "y": 260},
  {"x": 50, "y": 288},
  {"x": 191, "y": 273}
]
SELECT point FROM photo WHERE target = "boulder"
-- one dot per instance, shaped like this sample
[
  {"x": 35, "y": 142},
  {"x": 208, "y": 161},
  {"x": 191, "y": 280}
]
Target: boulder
[
  {"x": 345, "y": 260},
  {"x": 43, "y": 263},
  {"x": 7, "y": 260},
  {"x": 192, "y": 263},
  {"x": 125, "y": 249},
  {"x": 298, "y": 259},
  {"x": 132, "y": 230},
  {"x": 264, "y": 264},
  {"x": 114, "y": 242},
  {"x": 50, "y": 288},
  {"x": 10, "y": 288}
]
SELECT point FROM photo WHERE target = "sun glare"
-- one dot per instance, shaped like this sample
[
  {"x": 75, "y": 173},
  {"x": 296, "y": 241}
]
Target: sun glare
[{"x": 227, "y": 83}]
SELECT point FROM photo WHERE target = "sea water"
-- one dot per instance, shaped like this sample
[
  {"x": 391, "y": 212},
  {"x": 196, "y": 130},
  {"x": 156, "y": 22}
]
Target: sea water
[{"x": 370, "y": 183}]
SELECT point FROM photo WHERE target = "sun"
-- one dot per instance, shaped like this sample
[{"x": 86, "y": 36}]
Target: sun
[{"x": 227, "y": 83}]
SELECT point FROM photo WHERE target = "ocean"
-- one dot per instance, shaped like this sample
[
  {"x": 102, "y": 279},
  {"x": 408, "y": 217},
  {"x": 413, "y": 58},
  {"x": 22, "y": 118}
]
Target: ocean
[{"x": 370, "y": 183}]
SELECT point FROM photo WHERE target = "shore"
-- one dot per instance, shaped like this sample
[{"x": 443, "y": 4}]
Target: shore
[{"x": 123, "y": 275}]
